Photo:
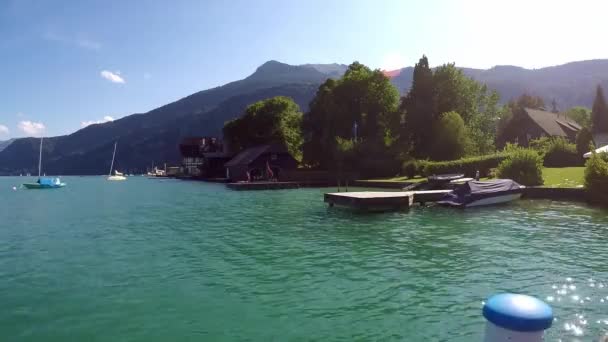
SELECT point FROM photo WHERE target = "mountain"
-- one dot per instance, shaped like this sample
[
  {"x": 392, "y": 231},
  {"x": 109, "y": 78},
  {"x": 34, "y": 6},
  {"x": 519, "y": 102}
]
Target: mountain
[
  {"x": 4, "y": 144},
  {"x": 571, "y": 84},
  {"x": 153, "y": 137}
]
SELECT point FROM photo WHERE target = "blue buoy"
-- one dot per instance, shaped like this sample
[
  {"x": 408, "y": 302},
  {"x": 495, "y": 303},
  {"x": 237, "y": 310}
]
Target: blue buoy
[{"x": 516, "y": 317}]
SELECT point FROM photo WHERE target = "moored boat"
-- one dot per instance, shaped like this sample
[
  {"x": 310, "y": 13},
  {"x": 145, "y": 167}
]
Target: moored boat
[
  {"x": 117, "y": 176},
  {"x": 478, "y": 193},
  {"x": 43, "y": 182}
]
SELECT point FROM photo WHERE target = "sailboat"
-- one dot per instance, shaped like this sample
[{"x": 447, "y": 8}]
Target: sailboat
[
  {"x": 117, "y": 175},
  {"x": 44, "y": 182}
]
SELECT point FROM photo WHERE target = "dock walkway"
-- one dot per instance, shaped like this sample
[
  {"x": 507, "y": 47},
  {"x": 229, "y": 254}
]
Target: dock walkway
[{"x": 382, "y": 200}]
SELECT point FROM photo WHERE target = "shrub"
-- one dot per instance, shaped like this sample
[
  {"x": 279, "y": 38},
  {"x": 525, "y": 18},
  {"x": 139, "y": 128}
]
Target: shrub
[
  {"x": 557, "y": 152},
  {"x": 584, "y": 139},
  {"x": 561, "y": 153},
  {"x": 410, "y": 168},
  {"x": 468, "y": 166},
  {"x": 450, "y": 137},
  {"x": 596, "y": 176},
  {"x": 524, "y": 166}
]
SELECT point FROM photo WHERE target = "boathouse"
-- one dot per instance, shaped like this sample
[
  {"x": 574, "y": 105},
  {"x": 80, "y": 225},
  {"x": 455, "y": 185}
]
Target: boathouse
[
  {"x": 531, "y": 124},
  {"x": 203, "y": 157},
  {"x": 263, "y": 162}
]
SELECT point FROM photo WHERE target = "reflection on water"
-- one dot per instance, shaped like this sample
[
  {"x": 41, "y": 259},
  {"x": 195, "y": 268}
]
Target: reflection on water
[
  {"x": 153, "y": 260},
  {"x": 581, "y": 309}
]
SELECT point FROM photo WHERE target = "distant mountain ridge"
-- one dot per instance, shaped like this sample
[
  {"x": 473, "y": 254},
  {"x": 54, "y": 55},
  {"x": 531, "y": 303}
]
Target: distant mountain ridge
[
  {"x": 571, "y": 84},
  {"x": 152, "y": 137}
]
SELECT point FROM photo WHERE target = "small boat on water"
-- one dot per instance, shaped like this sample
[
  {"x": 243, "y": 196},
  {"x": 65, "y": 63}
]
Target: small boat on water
[
  {"x": 478, "y": 193},
  {"x": 43, "y": 182},
  {"x": 118, "y": 176}
]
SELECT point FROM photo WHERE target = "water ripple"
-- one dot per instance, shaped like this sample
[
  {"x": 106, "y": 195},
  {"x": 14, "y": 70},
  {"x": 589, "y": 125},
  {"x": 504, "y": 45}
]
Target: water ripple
[{"x": 156, "y": 261}]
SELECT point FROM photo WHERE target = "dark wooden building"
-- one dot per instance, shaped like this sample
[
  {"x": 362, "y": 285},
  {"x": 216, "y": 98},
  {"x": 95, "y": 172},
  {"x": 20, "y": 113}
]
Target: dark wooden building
[
  {"x": 203, "y": 157},
  {"x": 254, "y": 163},
  {"x": 532, "y": 124}
]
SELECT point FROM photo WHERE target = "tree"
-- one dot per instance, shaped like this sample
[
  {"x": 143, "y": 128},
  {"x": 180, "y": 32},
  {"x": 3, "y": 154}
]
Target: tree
[
  {"x": 450, "y": 137},
  {"x": 580, "y": 115},
  {"x": 363, "y": 101},
  {"x": 599, "y": 113},
  {"x": 584, "y": 139},
  {"x": 444, "y": 90},
  {"x": 274, "y": 120},
  {"x": 526, "y": 100},
  {"x": 419, "y": 109}
]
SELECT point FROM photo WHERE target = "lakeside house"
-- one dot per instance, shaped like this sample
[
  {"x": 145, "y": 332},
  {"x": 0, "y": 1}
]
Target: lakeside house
[
  {"x": 535, "y": 123},
  {"x": 203, "y": 157},
  {"x": 263, "y": 162}
]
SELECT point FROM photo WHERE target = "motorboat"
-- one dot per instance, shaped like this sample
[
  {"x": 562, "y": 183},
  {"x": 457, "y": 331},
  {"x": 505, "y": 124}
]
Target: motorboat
[{"x": 480, "y": 193}]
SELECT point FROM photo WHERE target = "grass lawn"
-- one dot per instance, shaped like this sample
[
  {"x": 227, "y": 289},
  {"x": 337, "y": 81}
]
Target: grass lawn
[
  {"x": 555, "y": 177},
  {"x": 564, "y": 177}
]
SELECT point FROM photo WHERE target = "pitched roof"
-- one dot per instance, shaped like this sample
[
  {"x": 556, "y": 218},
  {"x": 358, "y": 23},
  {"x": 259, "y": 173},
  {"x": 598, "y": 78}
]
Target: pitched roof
[
  {"x": 553, "y": 124},
  {"x": 247, "y": 156}
]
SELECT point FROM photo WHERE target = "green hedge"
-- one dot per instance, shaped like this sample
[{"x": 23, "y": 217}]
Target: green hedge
[
  {"x": 561, "y": 153},
  {"x": 596, "y": 177},
  {"x": 524, "y": 166},
  {"x": 468, "y": 166},
  {"x": 557, "y": 152}
]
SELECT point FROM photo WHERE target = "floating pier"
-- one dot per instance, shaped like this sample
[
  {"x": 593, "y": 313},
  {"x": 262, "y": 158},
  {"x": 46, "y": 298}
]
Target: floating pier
[
  {"x": 382, "y": 200},
  {"x": 262, "y": 185}
]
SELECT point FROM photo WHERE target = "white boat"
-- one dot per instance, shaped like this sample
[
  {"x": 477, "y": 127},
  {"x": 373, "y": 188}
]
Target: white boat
[
  {"x": 476, "y": 193},
  {"x": 117, "y": 175}
]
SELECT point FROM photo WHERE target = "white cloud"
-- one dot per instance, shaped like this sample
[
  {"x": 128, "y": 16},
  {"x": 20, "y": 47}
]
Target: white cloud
[
  {"x": 31, "y": 128},
  {"x": 105, "y": 119},
  {"x": 4, "y": 130},
  {"x": 88, "y": 44},
  {"x": 80, "y": 41},
  {"x": 113, "y": 77}
]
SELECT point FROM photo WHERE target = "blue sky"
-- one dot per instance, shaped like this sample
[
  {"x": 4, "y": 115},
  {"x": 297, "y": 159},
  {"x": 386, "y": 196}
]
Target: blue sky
[{"x": 68, "y": 63}]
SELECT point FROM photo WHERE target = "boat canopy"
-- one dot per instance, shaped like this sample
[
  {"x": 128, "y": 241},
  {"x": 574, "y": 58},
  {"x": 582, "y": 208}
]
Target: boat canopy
[
  {"x": 475, "y": 190},
  {"x": 487, "y": 187},
  {"x": 47, "y": 181}
]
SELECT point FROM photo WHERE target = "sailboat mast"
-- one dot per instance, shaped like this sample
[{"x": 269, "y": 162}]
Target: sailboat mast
[
  {"x": 113, "y": 155},
  {"x": 40, "y": 159}
]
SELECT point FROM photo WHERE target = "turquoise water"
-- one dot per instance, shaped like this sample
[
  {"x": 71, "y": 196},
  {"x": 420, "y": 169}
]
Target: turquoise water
[{"x": 167, "y": 260}]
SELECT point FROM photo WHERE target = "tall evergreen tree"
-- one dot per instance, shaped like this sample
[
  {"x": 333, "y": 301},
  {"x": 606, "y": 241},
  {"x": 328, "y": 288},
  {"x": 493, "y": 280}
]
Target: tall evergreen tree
[
  {"x": 419, "y": 109},
  {"x": 599, "y": 112}
]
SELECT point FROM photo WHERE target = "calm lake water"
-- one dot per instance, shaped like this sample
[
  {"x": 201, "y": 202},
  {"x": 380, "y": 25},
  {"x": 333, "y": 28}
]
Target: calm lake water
[{"x": 167, "y": 260}]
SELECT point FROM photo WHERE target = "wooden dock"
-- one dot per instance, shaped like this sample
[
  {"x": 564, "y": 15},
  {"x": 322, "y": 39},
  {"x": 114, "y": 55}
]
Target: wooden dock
[
  {"x": 382, "y": 200},
  {"x": 262, "y": 185}
]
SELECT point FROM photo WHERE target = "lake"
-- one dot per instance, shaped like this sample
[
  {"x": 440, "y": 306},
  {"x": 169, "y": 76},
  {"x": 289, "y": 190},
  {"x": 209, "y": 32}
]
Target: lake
[{"x": 169, "y": 260}]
